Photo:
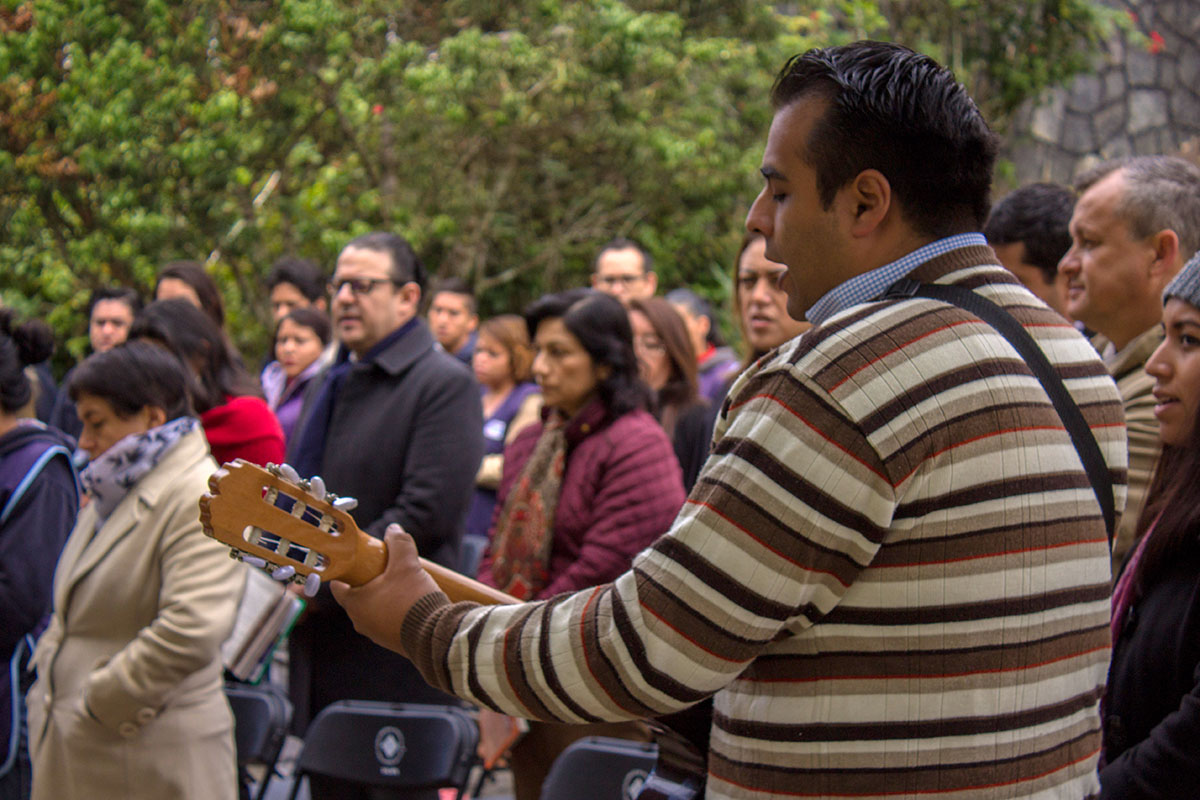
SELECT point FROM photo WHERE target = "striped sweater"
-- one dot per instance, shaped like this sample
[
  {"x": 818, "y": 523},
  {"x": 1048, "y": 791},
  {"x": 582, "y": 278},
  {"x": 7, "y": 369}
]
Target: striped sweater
[{"x": 892, "y": 572}]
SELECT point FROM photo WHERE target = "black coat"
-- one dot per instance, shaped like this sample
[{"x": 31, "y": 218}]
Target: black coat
[
  {"x": 1152, "y": 707},
  {"x": 405, "y": 439}
]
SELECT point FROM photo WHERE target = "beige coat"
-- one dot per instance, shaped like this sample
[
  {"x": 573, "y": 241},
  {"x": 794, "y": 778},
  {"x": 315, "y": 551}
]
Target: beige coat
[
  {"x": 129, "y": 700},
  {"x": 1128, "y": 368}
]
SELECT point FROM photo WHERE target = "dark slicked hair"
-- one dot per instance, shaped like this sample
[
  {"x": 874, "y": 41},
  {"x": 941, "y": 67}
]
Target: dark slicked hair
[
  {"x": 1037, "y": 216},
  {"x": 454, "y": 285},
  {"x": 625, "y": 243},
  {"x": 132, "y": 376},
  {"x": 406, "y": 267},
  {"x": 601, "y": 325},
  {"x": 129, "y": 297},
  {"x": 903, "y": 114},
  {"x": 299, "y": 272}
]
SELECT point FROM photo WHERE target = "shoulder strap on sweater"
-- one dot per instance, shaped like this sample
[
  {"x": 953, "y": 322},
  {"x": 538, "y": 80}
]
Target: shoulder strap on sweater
[
  {"x": 42, "y": 460},
  {"x": 1008, "y": 327}
]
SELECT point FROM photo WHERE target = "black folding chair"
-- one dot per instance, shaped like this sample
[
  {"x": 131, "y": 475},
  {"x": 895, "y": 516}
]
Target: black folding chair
[
  {"x": 397, "y": 750},
  {"x": 261, "y": 717},
  {"x": 600, "y": 768}
]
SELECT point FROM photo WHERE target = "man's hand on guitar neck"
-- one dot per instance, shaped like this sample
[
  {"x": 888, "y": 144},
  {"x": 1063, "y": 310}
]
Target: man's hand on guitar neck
[{"x": 378, "y": 608}]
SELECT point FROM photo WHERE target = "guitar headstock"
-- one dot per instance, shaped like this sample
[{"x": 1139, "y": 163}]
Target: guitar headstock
[{"x": 259, "y": 513}]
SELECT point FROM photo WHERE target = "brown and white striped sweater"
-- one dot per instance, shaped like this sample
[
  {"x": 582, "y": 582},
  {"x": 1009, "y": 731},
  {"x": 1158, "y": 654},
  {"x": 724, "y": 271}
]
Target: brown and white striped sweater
[{"x": 892, "y": 572}]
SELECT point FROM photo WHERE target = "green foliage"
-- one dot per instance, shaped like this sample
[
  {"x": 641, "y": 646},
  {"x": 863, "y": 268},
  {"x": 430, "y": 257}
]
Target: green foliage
[
  {"x": 506, "y": 140},
  {"x": 1004, "y": 52}
]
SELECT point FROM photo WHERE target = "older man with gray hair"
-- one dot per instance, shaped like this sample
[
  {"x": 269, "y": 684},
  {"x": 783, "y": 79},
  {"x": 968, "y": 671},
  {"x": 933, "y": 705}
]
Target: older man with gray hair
[{"x": 1135, "y": 224}]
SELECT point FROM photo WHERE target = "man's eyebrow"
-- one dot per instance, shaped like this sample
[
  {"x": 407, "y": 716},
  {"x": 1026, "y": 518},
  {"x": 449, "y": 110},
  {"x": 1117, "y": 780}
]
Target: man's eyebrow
[{"x": 770, "y": 173}]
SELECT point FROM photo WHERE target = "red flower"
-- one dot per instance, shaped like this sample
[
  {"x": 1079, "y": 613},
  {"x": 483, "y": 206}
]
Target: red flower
[
  {"x": 1157, "y": 43},
  {"x": 377, "y": 108}
]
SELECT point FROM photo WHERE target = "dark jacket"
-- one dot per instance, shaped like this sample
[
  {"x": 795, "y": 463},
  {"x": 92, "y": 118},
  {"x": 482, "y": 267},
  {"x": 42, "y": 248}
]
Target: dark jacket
[
  {"x": 37, "y": 515},
  {"x": 405, "y": 438},
  {"x": 1152, "y": 705},
  {"x": 692, "y": 440},
  {"x": 621, "y": 490}
]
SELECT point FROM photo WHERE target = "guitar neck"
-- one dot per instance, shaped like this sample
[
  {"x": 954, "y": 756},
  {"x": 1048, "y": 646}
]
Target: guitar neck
[{"x": 460, "y": 588}]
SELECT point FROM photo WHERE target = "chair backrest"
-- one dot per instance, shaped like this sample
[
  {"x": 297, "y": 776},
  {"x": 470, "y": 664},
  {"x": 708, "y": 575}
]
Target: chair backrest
[
  {"x": 402, "y": 746},
  {"x": 261, "y": 717},
  {"x": 600, "y": 768}
]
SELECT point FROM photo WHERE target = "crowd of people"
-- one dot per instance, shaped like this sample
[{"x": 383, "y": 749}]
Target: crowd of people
[{"x": 891, "y": 548}]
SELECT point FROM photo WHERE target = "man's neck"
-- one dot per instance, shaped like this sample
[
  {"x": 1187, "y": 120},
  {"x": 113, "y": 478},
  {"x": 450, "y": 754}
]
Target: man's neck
[{"x": 1122, "y": 335}]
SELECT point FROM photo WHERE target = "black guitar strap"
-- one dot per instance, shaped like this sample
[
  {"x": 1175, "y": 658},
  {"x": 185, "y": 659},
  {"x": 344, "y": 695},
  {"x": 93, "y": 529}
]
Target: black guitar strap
[{"x": 1023, "y": 343}]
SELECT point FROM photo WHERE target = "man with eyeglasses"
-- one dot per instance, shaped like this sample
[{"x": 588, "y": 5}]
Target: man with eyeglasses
[
  {"x": 624, "y": 270},
  {"x": 396, "y": 423}
]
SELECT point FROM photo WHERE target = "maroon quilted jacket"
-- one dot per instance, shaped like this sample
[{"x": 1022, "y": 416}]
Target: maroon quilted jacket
[{"x": 621, "y": 490}]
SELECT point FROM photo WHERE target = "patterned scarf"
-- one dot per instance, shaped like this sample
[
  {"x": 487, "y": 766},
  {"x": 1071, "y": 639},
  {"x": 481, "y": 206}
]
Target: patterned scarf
[
  {"x": 525, "y": 530},
  {"x": 111, "y": 475}
]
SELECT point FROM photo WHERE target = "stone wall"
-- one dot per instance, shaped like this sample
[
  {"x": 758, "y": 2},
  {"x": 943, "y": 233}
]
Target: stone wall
[{"x": 1142, "y": 98}]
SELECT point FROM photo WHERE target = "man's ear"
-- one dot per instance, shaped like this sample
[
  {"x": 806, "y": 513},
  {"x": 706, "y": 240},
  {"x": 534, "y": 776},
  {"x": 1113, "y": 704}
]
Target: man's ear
[
  {"x": 1166, "y": 255},
  {"x": 652, "y": 280},
  {"x": 410, "y": 293},
  {"x": 867, "y": 198}
]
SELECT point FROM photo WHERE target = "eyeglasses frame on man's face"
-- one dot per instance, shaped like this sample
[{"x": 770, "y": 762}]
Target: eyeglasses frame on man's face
[
  {"x": 612, "y": 281},
  {"x": 358, "y": 286}
]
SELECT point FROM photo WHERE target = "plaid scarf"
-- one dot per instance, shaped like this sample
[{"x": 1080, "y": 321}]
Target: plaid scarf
[{"x": 525, "y": 529}]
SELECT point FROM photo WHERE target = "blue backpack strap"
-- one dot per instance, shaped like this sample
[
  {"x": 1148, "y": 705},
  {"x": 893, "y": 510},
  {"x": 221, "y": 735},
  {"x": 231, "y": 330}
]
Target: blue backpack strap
[{"x": 31, "y": 475}]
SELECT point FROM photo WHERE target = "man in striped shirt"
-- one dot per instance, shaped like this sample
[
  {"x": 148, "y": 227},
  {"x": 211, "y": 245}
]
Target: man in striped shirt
[{"x": 892, "y": 574}]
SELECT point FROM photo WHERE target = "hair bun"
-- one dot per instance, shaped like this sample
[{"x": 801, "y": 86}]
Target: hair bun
[{"x": 34, "y": 341}]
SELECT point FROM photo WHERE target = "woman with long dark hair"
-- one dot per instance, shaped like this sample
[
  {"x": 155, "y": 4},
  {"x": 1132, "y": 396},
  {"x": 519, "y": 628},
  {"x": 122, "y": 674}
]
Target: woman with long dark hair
[
  {"x": 236, "y": 419},
  {"x": 1151, "y": 711},
  {"x": 667, "y": 363},
  {"x": 129, "y": 699},
  {"x": 583, "y": 490},
  {"x": 190, "y": 281}
]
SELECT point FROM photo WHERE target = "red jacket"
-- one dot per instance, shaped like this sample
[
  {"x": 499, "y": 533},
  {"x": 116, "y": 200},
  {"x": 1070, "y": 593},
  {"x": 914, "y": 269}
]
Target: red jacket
[
  {"x": 621, "y": 490},
  {"x": 243, "y": 428}
]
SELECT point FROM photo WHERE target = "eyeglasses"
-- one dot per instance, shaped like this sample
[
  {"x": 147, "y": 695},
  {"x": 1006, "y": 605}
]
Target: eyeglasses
[
  {"x": 619, "y": 280},
  {"x": 357, "y": 285}
]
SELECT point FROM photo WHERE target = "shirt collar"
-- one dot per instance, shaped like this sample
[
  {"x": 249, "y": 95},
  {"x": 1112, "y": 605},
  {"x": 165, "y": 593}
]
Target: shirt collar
[{"x": 869, "y": 285}]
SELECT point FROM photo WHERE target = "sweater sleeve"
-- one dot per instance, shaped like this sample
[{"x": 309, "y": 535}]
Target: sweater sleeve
[
  {"x": 1164, "y": 766},
  {"x": 760, "y": 546}
]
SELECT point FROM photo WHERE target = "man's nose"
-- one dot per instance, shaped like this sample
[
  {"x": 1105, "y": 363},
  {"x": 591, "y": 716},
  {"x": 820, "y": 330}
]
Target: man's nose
[{"x": 757, "y": 220}]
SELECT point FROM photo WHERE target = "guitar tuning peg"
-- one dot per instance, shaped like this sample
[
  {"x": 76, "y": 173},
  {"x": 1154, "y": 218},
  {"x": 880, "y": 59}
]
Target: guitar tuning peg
[
  {"x": 311, "y": 584},
  {"x": 255, "y": 561},
  {"x": 284, "y": 573},
  {"x": 345, "y": 503},
  {"x": 288, "y": 473},
  {"x": 316, "y": 487}
]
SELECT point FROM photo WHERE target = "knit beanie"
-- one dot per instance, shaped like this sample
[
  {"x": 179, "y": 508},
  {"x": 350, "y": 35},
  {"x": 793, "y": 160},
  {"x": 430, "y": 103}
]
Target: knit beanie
[{"x": 1186, "y": 285}]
